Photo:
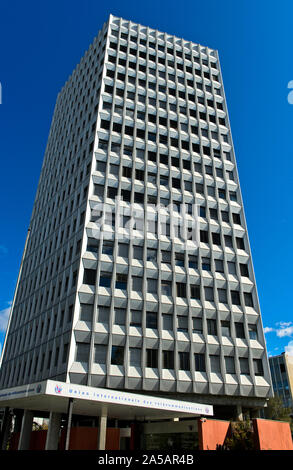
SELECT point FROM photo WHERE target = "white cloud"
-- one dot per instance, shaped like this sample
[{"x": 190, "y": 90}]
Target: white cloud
[
  {"x": 285, "y": 331},
  {"x": 268, "y": 329},
  {"x": 4, "y": 315},
  {"x": 289, "y": 348}
]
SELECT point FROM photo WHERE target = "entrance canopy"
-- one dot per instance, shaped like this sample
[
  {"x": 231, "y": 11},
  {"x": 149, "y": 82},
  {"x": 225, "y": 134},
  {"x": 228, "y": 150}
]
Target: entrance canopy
[{"x": 90, "y": 401}]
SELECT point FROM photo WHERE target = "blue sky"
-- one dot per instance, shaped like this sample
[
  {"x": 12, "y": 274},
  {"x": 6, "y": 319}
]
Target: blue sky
[{"x": 43, "y": 41}]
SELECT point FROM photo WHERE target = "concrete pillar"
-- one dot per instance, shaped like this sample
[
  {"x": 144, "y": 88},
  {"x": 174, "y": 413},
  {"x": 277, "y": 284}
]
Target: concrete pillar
[
  {"x": 5, "y": 429},
  {"x": 18, "y": 415},
  {"x": 102, "y": 429},
  {"x": 52, "y": 440},
  {"x": 69, "y": 420},
  {"x": 239, "y": 414},
  {"x": 26, "y": 430}
]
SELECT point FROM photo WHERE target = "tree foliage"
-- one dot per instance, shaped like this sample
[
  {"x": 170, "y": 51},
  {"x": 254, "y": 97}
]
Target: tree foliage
[{"x": 241, "y": 436}]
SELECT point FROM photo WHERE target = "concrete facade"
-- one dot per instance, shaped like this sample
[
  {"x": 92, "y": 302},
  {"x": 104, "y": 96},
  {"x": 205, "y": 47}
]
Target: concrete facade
[{"x": 123, "y": 299}]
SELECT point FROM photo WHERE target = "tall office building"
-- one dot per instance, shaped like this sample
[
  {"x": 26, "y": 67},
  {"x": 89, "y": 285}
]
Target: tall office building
[
  {"x": 137, "y": 273},
  {"x": 282, "y": 377}
]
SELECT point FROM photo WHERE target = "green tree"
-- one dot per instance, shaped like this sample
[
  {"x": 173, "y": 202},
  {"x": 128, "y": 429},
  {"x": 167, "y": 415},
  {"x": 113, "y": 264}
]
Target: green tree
[
  {"x": 241, "y": 436},
  {"x": 277, "y": 411}
]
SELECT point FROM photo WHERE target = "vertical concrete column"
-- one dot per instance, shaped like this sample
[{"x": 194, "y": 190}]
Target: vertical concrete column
[
  {"x": 52, "y": 440},
  {"x": 239, "y": 414},
  {"x": 102, "y": 429},
  {"x": 26, "y": 430},
  {"x": 18, "y": 415},
  {"x": 69, "y": 420}
]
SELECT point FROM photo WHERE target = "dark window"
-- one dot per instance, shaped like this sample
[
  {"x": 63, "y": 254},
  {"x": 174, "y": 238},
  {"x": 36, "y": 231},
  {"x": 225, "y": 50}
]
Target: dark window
[
  {"x": 199, "y": 362},
  {"x": 117, "y": 356},
  {"x": 89, "y": 277},
  {"x": 168, "y": 359},
  {"x": 184, "y": 361},
  {"x": 152, "y": 358},
  {"x": 151, "y": 320}
]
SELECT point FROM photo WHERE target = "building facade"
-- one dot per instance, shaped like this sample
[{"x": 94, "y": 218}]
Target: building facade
[
  {"x": 137, "y": 273},
  {"x": 282, "y": 377}
]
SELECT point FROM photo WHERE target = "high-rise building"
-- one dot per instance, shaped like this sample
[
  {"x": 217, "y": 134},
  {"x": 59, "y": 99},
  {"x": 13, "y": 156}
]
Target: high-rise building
[
  {"x": 137, "y": 272},
  {"x": 282, "y": 377}
]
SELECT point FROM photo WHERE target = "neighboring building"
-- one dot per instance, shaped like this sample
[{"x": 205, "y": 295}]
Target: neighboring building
[
  {"x": 282, "y": 377},
  {"x": 138, "y": 305}
]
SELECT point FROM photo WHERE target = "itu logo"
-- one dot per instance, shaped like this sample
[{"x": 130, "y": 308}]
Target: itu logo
[
  {"x": 207, "y": 410},
  {"x": 58, "y": 389}
]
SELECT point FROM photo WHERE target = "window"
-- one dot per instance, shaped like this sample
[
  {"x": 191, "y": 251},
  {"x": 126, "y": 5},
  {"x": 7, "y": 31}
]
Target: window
[
  {"x": 108, "y": 247},
  {"x": 151, "y": 255},
  {"x": 82, "y": 352},
  {"x": 216, "y": 239},
  {"x": 236, "y": 219},
  {"x": 103, "y": 314},
  {"x": 209, "y": 294},
  {"x": 219, "y": 266},
  {"x": 105, "y": 279},
  {"x": 135, "y": 357},
  {"x": 89, "y": 277},
  {"x": 192, "y": 262},
  {"x": 258, "y": 367},
  {"x": 152, "y": 286},
  {"x": 199, "y": 362},
  {"x": 222, "y": 294},
  {"x": 248, "y": 299},
  {"x": 166, "y": 257},
  {"x": 195, "y": 292},
  {"x": 212, "y": 327},
  {"x": 232, "y": 268},
  {"x": 168, "y": 359},
  {"x": 206, "y": 264},
  {"x": 244, "y": 366},
  {"x": 152, "y": 358},
  {"x": 119, "y": 316},
  {"x": 167, "y": 322},
  {"x": 225, "y": 328},
  {"x": 244, "y": 270},
  {"x": 117, "y": 355},
  {"x": 100, "y": 355},
  {"x": 123, "y": 250},
  {"x": 215, "y": 363},
  {"x": 135, "y": 318},
  {"x": 252, "y": 331},
  {"x": 86, "y": 312},
  {"x": 240, "y": 243},
  {"x": 182, "y": 324},
  {"x": 230, "y": 365},
  {"x": 179, "y": 260},
  {"x": 184, "y": 361},
  {"x": 225, "y": 216},
  {"x": 138, "y": 252},
  {"x": 204, "y": 238},
  {"x": 214, "y": 214},
  {"x": 137, "y": 284},
  {"x": 235, "y": 297},
  {"x": 121, "y": 281},
  {"x": 197, "y": 325},
  {"x": 181, "y": 289},
  {"x": 152, "y": 320},
  {"x": 239, "y": 329}
]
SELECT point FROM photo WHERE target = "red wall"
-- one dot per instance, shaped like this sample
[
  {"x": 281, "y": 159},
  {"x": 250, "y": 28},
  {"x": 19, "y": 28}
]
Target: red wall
[
  {"x": 86, "y": 438},
  {"x": 272, "y": 435},
  {"x": 212, "y": 432},
  {"x": 81, "y": 438}
]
